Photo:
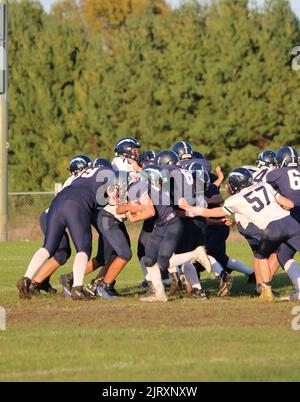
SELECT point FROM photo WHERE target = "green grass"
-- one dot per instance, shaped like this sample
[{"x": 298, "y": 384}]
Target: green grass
[{"x": 232, "y": 339}]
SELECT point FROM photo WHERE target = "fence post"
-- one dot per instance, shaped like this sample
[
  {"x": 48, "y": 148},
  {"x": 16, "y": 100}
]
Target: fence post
[
  {"x": 57, "y": 187},
  {"x": 3, "y": 119}
]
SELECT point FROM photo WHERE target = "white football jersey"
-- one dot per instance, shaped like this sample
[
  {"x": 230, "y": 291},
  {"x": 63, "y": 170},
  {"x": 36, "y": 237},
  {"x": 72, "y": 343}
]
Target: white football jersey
[
  {"x": 256, "y": 204},
  {"x": 121, "y": 163},
  {"x": 261, "y": 174}
]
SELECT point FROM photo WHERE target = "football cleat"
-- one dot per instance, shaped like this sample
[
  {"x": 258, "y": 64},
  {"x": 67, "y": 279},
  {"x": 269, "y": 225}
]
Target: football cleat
[
  {"x": 294, "y": 296},
  {"x": 155, "y": 295},
  {"x": 202, "y": 257},
  {"x": 34, "y": 289},
  {"x": 266, "y": 294},
  {"x": 23, "y": 287},
  {"x": 174, "y": 284},
  {"x": 66, "y": 282},
  {"x": 46, "y": 287},
  {"x": 92, "y": 286},
  {"x": 78, "y": 293},
  {"x": 185, "y": 284},
  {"x": 198, "y": 294},
  {"x": 225, "y": 285},
  {"x": 144, "y": 284},
  {"x": 105, "y": 291},
  {"x": 258, "y": 291}
]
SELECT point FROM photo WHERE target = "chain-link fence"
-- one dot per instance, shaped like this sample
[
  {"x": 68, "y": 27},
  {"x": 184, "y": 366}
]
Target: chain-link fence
[{"x": 24, "y": 210}]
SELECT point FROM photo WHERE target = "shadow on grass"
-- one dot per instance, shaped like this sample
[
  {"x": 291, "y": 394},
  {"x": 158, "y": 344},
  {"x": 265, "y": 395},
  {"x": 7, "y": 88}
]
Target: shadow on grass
[{"x": 240, "y": 287}]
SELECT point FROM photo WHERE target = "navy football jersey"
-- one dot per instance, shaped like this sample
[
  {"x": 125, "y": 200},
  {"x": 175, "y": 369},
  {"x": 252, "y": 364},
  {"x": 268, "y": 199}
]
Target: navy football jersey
[
  {"x": 160, "y": 198},
  {"x": 85, "y": 188},
  {"x": 185, "y": 163},
  {"x": 286, "y": 181},
  {"x": 181, "y": 185}
]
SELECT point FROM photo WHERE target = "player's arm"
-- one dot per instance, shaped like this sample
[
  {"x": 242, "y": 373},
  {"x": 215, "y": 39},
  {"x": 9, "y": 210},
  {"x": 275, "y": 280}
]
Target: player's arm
[
  {"x": 220, "y": 176},
  {"x": 205, "y": 212},
  {"x": 286, "y": 203},
  {"x": 122, "y": 209},
  {"x": 219, "y": 222},
  {"x": 147, "y": 212}
]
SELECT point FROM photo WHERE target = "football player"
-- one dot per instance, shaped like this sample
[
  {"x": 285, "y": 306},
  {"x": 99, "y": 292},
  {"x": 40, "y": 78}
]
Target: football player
[
  {"x": 42, "y": 280},
  {"x": 184, "y": 150},
  {"x": 259, "y": 204},
  {"x": 265, "y": 163},
  {"x": 164, "y": 238},
  {"x": 71, "y": 209}
]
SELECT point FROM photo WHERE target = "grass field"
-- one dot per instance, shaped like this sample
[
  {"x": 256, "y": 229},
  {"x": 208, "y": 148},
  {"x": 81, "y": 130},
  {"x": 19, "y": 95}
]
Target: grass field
[{"x": 232, "y": 339}]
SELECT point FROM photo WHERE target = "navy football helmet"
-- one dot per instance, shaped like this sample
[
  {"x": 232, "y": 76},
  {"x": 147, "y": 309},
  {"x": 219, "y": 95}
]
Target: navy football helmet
[
  {"x": 79, "y": 163},
  {"x": 129, "y": 148},
  {"x": 147, "y": 157},
  {"x": 167, "y": 157},
  {"x": 102, "y": 162},
  {"x": 183, "y": 149},
  {"x": 198, "y": 155},
  {"x": 238, "y": 179},
  {"x": 199, "y": 174},
  {"x": 154, "y": 175},
  {"x": 266, "y": 158},
  {"x": 287, "y": 156}
]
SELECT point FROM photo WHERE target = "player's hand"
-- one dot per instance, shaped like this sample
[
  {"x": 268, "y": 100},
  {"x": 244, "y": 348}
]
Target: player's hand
[
  {"x": 227, "y": 222},
  {"x": 219, "y": 172},
  {"x": 134, "y": 209},
  {"x": 183, "y": 204}
]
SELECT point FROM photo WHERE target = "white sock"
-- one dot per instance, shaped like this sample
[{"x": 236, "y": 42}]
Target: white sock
[
  {"x": 293, "y": 271},
  {"x": 216, "y": 267},
  {"x": 238, "y": 266},
  {"x": 191, "y": 275},
  {"x": 179, "y": 259},
  {"x": 172, "y": 270},
  {"x": 36, "y": 262},
  {"x": 154, "y": 276},
  {"x": 143, "y": 267},
  {"x": 79, "y": 268}
]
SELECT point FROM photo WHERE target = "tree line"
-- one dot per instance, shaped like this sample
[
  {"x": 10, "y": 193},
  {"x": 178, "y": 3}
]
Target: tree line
[{"x": 90, "y": 72}]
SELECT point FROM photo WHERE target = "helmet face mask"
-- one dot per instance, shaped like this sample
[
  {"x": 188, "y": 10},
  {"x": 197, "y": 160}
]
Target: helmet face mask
[
  {"x": 266, "y": 158},
  {"x": 128, "y": 148},
  {"x": 79, "y": 163}
]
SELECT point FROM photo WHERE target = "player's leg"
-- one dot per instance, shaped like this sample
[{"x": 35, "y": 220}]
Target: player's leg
[
  {"x": 168, "y": 236},
  {"x": 285, "y": 255},
  {"x": 54, "y": 232},
  {"x": 116, "y": 235},
  {"x": 78, "y": 221},
  {"x": 153, "y": 277}
]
